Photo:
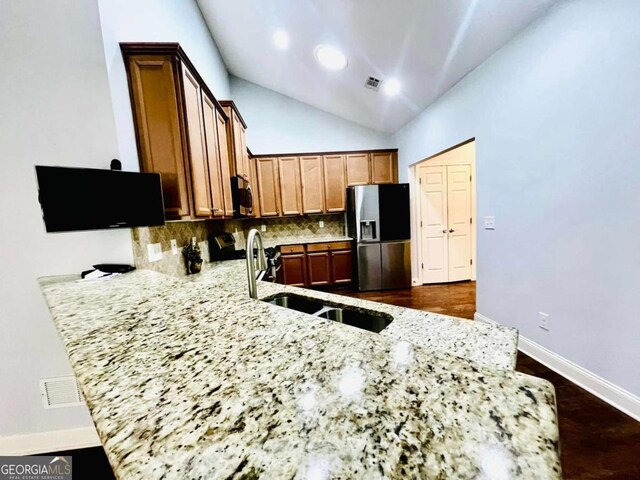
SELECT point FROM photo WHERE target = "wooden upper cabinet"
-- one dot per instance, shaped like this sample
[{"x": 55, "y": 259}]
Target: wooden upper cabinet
[
  {"x": 358, "y": 169},
  {"x": 154, "y": 98},
  {"x": 312, "y": 182},
  {"x": 210, "y": 122},
  {"x": 200, "y": 182},
  {"x": 335, "y": 183},
  {"x": 268, "y": 186},
  {"x": 181, "y": 130},
  {"x": 236, "y": 140},
  {"x": 253, "y": 180},
  {"x": 383, "y": 167},
  {"x": 290, "y": 189},
  {"x": 223, "y": 150}
]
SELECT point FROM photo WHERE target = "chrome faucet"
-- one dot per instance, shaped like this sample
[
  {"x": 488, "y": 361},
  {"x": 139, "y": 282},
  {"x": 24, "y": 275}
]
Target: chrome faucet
[{"x": 251, "y": 262}]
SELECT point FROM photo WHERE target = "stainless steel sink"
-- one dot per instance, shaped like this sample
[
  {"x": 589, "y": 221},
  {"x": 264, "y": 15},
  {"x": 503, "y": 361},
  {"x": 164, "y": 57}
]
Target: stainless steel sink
[
  {"x": 372, "y": 321},
  {"x": 365, "y": 319},
  {"x": 297, "y": 303}
]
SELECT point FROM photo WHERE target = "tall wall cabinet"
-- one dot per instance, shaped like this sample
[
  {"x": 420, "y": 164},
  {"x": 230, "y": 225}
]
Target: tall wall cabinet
[{"x": 181, "y": 130}]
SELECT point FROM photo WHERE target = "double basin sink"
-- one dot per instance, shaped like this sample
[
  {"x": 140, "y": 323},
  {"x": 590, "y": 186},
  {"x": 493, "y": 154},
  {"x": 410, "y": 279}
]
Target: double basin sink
[{"x": 365, "y": 319}]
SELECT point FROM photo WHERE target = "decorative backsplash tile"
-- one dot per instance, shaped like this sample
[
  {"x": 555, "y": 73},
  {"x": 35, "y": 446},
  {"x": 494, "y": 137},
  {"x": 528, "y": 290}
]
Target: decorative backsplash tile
[
  {"x": 182, "y": 232},
  {"x": 287, "y": 227}
]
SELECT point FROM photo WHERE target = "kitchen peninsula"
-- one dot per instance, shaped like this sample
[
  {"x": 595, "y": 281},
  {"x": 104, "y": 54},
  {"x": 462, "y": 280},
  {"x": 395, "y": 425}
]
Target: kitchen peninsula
[{"x": 188, "y": 377}]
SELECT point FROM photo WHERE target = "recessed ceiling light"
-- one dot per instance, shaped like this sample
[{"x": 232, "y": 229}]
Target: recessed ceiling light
[
  {"x": 281, "y": 39},
  {"x": 330, "y": 57},
  {"x": 391, "y": 87}
]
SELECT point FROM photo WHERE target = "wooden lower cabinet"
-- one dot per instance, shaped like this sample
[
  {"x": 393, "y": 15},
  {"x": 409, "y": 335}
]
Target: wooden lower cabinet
[
  {"x": 341, "y": 267},
  {"x": 294, "y": 269},
  {"x": 316, "y": 264},
  {"x": 319, "y": 268}
]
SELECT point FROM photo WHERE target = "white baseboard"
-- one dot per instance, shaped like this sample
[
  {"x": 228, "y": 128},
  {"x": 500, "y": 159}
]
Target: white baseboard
[
  {"x": 54, "y": 441},
  {"x": 615, "y": 396}
]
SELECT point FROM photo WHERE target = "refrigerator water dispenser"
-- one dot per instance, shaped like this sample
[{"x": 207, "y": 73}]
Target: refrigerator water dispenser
[{"x": 368, "y": 230}]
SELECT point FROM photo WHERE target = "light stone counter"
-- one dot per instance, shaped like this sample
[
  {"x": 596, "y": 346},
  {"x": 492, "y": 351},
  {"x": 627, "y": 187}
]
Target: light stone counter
[{"x": 192, "y": 379}]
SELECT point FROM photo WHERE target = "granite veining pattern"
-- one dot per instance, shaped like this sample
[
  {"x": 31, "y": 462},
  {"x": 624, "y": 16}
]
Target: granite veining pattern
[{"x": 189, "y": 378}]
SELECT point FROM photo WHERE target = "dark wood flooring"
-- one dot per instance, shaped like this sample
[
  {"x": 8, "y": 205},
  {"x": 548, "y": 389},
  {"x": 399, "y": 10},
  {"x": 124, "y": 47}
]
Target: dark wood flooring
[{"x": 597, "y": 441}]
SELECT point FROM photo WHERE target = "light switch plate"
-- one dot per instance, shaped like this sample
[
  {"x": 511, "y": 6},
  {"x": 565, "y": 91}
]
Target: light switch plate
[
  {"x": 489, "y": 223},
  {"x": 154, "y": 252},
  {"x": 174, "y": 246},
  {"x": 321, "y": 223}
]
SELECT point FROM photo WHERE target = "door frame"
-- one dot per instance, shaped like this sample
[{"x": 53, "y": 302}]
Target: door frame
[{"x": 446, "y": 157}]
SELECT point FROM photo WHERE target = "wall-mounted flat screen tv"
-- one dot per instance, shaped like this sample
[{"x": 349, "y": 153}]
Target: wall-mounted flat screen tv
[{"x": 92, "y": 199}]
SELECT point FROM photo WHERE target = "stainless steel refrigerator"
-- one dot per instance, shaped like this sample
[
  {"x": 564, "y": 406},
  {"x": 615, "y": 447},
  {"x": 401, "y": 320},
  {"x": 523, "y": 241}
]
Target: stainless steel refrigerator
[{"x": 378, "y": 219}]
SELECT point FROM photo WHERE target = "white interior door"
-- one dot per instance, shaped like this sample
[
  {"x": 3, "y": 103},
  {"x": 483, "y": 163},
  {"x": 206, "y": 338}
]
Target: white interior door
[
  {"x": 459, "y": 216},
  {"x": 433, "y": 199}
]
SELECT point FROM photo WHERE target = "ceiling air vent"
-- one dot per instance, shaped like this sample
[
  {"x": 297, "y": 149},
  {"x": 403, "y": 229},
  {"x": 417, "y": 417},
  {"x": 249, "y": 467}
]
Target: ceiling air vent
[
  {"x": 372, "y": 82},
  {"x": 60, "y": 392}
]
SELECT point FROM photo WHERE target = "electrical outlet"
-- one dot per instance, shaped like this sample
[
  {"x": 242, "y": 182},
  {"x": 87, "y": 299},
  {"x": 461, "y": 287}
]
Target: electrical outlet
[
  {"x": 174, "y": 246},
  {"x": 194, "y": 240},
  {"x": 321, "y": 223},
  {"x": 154, "y": 252},
  {"x": 263, "y": 227},
  {"x": 489, "y": 223},
  {"x": 543, "y": 321}
]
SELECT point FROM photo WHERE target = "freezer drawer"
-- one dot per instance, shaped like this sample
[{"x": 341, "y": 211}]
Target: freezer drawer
[
  {"x": 396, "y": 264},
  {"x": 369, "y": 267}
]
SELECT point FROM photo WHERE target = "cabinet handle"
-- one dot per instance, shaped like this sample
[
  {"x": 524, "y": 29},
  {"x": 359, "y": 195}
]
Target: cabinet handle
[
  {"x": 451, "y": 230},
  {"x": 444, "y": 231}
]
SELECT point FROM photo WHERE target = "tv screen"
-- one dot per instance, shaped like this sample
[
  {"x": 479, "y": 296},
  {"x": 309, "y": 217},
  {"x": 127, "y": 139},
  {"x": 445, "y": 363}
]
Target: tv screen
[{"x": 92, "y": 199}]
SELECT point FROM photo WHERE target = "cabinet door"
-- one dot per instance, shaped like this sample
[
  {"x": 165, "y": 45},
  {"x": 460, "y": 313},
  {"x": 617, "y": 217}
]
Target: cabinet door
[
  {"x": 239, "y": 149},
  {"x": 341, "y": 267},
  {"x": 197, "y": 154},
  {"x": 358, "y": 169},
  {"x": 383, "y": 168},
  {"x": 244, "y": 156},
  {"x": 154, "y": 100},
  {"x": 319, "y": 268},
  {"x": 209, "y": 115},
  {"x": 312, "y": 182},
  {"x": 224, "y": 164},
  {"x": 290, "y": 191},
  {"x": 294, "y": 269},
  {"x": 335, "y": 183},
  {"x": 268, "y": 189},
  {"x": 253, "y": 181}
]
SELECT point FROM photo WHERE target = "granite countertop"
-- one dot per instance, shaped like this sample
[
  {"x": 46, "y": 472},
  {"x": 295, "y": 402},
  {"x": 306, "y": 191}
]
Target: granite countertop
[{"x": 189, "y": 378}]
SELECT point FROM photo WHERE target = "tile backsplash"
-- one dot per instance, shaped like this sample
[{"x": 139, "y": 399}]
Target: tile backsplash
[{"x": 182, "y": 232}]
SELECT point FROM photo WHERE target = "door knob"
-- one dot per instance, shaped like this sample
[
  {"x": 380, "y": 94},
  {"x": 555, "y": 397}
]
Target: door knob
[{"x": 451, "y": 230}]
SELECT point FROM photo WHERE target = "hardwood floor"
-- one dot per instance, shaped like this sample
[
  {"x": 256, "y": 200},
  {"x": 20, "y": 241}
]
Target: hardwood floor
[
  {"x": 457, "y": 299},
  {"x": 597, "y": 441}
]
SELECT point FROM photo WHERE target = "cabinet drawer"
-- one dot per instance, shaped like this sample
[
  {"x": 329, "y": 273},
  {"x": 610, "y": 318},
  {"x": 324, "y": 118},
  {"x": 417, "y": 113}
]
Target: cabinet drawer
[
  {"x": 286, "y": 249},
  {"x": 326, "y": 246}
]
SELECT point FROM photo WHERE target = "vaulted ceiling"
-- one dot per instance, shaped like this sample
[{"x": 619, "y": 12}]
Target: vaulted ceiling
[{"x": 428, "y": 45}]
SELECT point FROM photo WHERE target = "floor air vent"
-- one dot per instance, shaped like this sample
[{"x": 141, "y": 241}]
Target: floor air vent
[
  {"x": 60, "y": 392},
  {"x": 372, "y": 82}
]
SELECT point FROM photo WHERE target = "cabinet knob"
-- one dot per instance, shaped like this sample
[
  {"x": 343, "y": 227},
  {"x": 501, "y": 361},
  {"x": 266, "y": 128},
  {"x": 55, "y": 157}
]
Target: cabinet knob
[{"x": 451, "y": 230}]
